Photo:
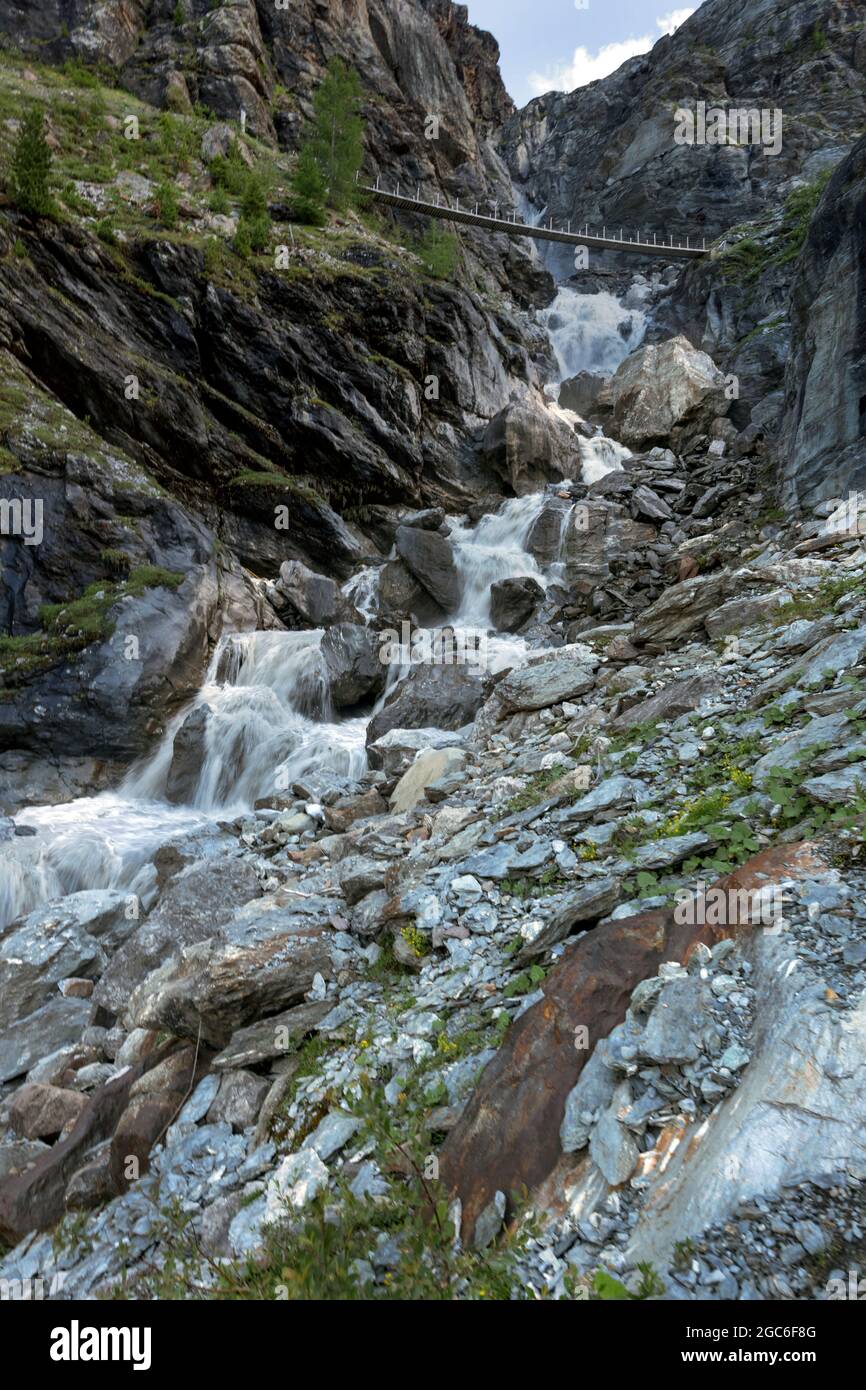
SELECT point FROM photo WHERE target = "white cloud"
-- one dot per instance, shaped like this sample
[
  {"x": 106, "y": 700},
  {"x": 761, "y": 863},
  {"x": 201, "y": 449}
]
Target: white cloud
[
  {"x": 588, "y": 67},
  {"x": 669, "y": 22}
]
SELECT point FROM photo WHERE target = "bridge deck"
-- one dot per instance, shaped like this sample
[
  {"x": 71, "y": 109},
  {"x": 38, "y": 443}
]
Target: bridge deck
[{"x": 669, "y": 249}]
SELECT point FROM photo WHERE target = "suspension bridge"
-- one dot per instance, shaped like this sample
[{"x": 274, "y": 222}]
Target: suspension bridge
[{"x": 607, "y": 240}]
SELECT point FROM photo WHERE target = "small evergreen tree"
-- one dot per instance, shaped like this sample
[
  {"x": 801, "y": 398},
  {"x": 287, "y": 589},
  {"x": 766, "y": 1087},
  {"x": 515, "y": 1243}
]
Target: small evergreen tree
[
  {"x": 308, "y": 188},
  {"x": 438, "y": 252},
  {"x": 336, "y": 140},
  {"x": 31, "y": 164}
]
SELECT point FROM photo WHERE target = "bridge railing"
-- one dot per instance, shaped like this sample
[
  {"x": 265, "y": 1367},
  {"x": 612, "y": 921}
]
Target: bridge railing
[{"x": 509, "y": 222}]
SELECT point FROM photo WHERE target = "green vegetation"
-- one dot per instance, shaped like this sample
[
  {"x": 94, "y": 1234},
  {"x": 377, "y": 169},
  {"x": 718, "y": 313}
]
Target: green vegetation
[
  {"x": 167, "y": 205},
  {"x": 439, "y": 252},
  {"x": 67, "y": 628},
  {"x": 309, "y": 190},
  {"x": 333, "y": 150},
  {"x": 31, "y": 165},
  {"x": 749, "y": 258}
]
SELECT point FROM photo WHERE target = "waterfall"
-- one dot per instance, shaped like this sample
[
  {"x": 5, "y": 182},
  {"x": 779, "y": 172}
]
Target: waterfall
[
  {"x": 492, "y": 550},
  {"x": 267, "y": 724},
  {"x": 591, "y": 332}
]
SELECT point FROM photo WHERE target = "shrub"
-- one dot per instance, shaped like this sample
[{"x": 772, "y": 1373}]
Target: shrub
[{"x": 167, "y": 205}]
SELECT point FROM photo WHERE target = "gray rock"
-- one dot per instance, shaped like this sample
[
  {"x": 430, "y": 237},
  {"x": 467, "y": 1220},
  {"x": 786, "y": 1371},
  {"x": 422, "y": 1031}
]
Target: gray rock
[
  {"x": 239, "y": 1100},
  {"x": 57, "y": 1023},
  {"x": 513, "y": 602},
  {"x": 430, "y": 559},
  {"x": 196, "y": 902},
  {"x": 545, "y": 683},
  {"x": 612, "y": 1147},
  {"x": 674, "y": 1027},
  {"x": 355, "y": 672}
]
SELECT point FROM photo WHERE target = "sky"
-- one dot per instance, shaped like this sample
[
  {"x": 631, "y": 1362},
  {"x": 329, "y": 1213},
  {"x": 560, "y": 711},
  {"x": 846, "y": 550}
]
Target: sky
[{"x": 558, "y": 45}]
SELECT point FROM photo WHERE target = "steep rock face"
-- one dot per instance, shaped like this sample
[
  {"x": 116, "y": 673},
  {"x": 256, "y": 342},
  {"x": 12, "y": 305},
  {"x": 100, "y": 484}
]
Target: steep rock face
[
  {"x": 824, "y": 427},
  {"x": 417, "y": 60},
  {"x": 801, "y": 57}
]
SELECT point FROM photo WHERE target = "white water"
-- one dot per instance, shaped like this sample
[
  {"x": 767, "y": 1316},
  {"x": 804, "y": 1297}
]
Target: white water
[
  {"x": 591, "y": 332},
  {"x": 270, "y": 725}
]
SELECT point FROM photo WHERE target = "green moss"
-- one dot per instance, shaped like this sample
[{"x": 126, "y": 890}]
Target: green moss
[{"x": 67, "y": 628}]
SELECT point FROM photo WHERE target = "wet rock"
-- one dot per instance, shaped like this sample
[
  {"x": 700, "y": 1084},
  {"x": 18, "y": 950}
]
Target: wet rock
[
  {"x": 315, "y": 598},
  {"x": 513, "y": 602},
  {"x": 355, "y": 672},
  {"x": 580, "y": 393},
  {"x": 545, "y": 534},
  {"x": 528, "y": 446},
  {"x": 443, "y": 697},
  {"x": 430, "y": 559},
  {"x": 188, "y": 756}
]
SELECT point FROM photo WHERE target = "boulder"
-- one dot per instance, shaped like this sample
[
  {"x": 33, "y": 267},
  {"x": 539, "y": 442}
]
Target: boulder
[
  {"x": 544, "y": 537},
  {"x": 313, "y": 597},
  {"x": 43, "y": 1112},
  {"x": 215, "y": 987},
  {"x": 402, "y": 599},
  {"x": 394, "y": 751},
  {"x": 188, "y": 756},
  {"x": 197, "y": 901},
  {"x": 529, "y": 445},
  {"x": 681, "y": 609},
  {"x": 430, "y": 559},
  {"x": 548, "y": 682},
  {"x": 428, "y": 767},
  {"x": 580, "y": 394},
  {"x": 442, "y": 697},
  {"x": 513, "y": 602},
  {"x": 355, "y": 672},
  {"x": 664, "y": 391}
]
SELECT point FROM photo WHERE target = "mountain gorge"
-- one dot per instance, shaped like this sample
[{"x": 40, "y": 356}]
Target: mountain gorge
[{"x": 405, "y": 647}]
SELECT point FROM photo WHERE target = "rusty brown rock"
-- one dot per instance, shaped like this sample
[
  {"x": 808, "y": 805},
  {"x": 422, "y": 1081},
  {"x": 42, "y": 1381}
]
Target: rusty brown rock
[
  {"x": 37, "y": 1112},
  {"x": 143, "y": 1122},
  {"x": 339, "y": 818},
  {"x": 33, "y": 1200},
  {"x": 507, "y": 1139}
]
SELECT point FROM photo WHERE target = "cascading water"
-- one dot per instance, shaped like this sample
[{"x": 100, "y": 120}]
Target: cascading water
[
  {"x": 268, "y": 724},
  {"x": 591, "y": 332}
]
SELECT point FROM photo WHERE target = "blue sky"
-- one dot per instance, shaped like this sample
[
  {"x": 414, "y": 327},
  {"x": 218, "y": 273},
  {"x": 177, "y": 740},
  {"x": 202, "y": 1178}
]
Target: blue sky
[{"x": 561, "y": 44}]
